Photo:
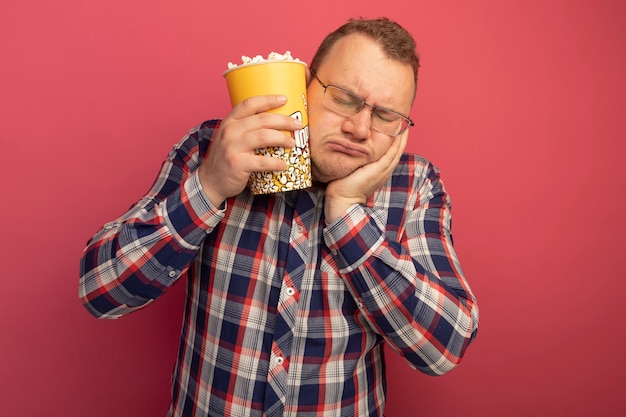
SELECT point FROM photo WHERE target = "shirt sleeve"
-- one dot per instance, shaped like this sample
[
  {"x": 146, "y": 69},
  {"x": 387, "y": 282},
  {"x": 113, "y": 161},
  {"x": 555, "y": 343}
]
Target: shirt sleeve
[
  {"x": 133, "y": 260},
  {"x": 400, "y": 265}
]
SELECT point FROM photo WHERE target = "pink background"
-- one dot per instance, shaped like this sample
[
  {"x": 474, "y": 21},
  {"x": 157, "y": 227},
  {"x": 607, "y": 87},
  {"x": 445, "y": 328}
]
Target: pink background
[{"x": 520, "y": 103}]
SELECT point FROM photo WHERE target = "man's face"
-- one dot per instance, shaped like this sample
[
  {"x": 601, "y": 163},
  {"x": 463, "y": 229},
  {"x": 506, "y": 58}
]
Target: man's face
[{"x": 339, "y": 145}]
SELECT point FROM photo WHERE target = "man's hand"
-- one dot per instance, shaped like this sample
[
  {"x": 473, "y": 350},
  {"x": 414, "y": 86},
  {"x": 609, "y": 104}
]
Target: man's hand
[
  {"x": 363, "y": 182},
  {"x": 231, "y": 159}
]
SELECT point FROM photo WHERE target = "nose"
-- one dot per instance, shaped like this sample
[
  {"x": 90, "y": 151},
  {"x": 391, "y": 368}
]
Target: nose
[{"x": 359, "y": 124}]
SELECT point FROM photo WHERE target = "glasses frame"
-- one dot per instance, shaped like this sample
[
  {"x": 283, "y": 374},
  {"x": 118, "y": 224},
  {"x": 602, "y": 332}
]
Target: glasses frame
[{"x": 362, "y": 105}]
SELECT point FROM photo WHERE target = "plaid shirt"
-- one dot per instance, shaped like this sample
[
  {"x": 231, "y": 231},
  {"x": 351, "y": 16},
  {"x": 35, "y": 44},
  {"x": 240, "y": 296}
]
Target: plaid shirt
[{"x": 286, "y": 315}]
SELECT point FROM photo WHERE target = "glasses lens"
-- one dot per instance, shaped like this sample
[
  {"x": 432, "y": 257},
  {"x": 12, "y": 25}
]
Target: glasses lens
[
  {"x": 389, "y": 122},
  {"x": 347, "y": 104},
  {"x": 341, "y": 101}
]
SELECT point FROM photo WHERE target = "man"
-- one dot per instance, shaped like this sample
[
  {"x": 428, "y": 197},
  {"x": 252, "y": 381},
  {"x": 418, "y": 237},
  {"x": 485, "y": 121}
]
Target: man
[{"x": 292, "y": 296}]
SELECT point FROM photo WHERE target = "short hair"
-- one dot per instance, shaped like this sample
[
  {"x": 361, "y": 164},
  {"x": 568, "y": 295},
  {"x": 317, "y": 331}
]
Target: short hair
[{"x": 396, "y": 42}]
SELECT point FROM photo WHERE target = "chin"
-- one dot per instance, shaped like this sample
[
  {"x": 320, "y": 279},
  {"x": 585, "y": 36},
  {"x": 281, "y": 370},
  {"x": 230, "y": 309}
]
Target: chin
[{"x": 326, "y": 173}]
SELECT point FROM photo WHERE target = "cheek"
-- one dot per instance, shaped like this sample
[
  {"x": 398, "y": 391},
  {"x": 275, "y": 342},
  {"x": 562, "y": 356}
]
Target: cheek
[
  {"x": 381, "y": 143},
  {"x": 318, "y": 122}
]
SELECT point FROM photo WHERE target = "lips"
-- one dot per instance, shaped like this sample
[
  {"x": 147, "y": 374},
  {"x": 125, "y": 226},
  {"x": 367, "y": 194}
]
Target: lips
[{"x": 348, "y": 148}]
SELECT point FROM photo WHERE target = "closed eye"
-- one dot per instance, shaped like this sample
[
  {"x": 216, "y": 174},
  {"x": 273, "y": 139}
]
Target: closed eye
[
  {"x": 386, "y": 116},
  {"x": 343, "y": 98}
]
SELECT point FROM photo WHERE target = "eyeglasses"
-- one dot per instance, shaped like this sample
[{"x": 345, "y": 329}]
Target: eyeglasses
[{"x": 347, "y": 104}]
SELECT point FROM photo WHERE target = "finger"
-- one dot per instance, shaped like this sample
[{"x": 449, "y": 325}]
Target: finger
[
  {"x": 258, "y": 104},
  {"x": 404, "y": 139},
  {"x": 259, "y": 131},
  {"x": 264, "y": 138},
  {"x": 399, "y": 149},
  {"x": 384, "y": 166},
  {"x": 274, "y": 121},
  {"x": 267, "y": 163},
  {"x": 391, "y": 157},
  {"x": 268, "y": 129}
]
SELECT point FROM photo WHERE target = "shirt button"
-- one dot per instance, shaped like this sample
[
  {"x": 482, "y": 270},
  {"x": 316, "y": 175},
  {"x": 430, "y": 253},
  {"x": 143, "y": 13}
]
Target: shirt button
[
  {"x": 290, "y": 291},
  {"x": 280, "y": 360},
  {"x": 359, "y": 304},
  {"x": 172, "y": 274}
]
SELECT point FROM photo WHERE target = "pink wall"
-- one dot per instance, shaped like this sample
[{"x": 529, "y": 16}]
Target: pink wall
[{"x": 520, "y": 104}]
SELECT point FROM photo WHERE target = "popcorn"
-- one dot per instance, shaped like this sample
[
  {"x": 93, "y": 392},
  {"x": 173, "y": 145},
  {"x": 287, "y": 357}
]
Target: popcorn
[
  {"x": 272, "y": 56},
  {"x": 297, "y": 175}
]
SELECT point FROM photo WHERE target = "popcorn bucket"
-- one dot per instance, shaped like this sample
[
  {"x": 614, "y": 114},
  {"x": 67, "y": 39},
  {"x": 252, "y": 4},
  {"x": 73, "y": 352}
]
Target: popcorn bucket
[{"x": 289, "y": 79}]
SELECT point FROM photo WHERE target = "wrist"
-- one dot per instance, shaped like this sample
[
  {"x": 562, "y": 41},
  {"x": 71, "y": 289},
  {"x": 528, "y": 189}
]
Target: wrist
[
  {"x": 334, "y": 208},
  {"x": 214, "y": 197}
]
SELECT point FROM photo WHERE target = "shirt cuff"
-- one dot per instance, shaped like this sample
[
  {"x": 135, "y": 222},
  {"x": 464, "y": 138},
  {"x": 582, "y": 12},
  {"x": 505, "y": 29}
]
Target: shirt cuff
[
  {"x": 189, "y": 213},
  {"x": 353, "y": 238}
]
